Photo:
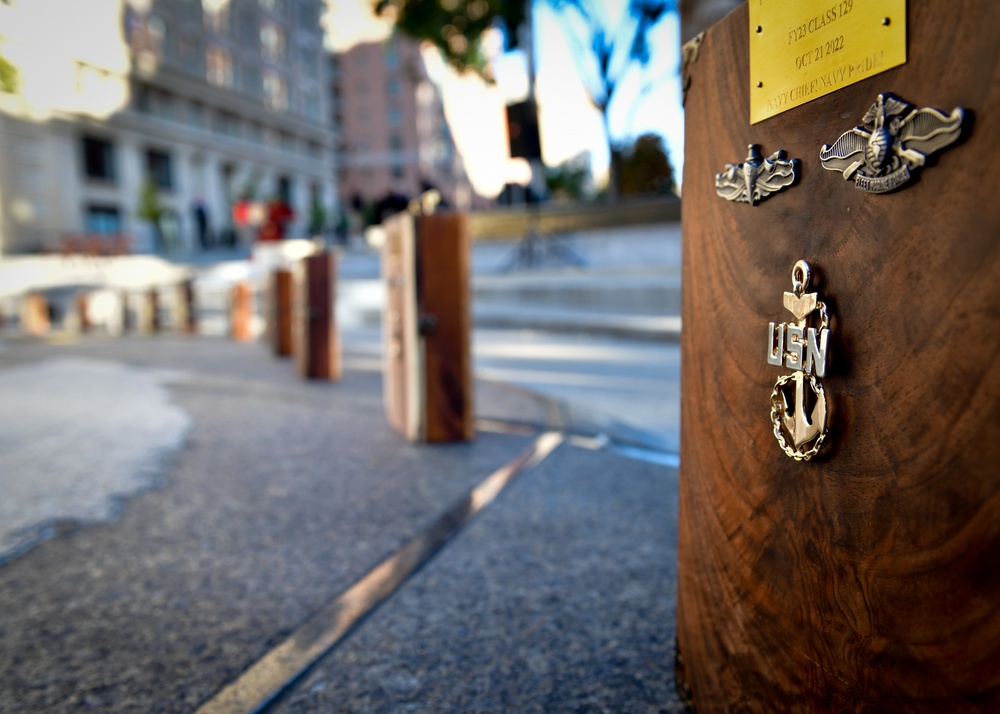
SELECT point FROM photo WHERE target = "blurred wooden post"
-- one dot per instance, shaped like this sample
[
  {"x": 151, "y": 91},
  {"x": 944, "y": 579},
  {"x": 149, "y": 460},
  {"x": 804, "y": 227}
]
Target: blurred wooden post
[
  {"x": 185, "y": 317},
  {"x": 865, "y": 579},
  {"x": 428, "y": 366},
  {"x": 149, "y": 312},
  {"x": 127, "y": 322},
  {"x": 316, "y": 342},
  {"x": 279, "y": 312},
  {"x": 241, "y": 311},
  {"x": 82, "y": 301},
  {"x": 35, "y": 314}
]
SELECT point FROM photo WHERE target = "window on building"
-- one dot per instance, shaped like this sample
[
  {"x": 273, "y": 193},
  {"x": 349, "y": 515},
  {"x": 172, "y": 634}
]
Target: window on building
[
  {"x": 227, "y": 124},
  {"x": 159, "y": 169},
  {"x": 165, "y": 106},
  {"x": 196, "y": 114},
  {"x": 249, "y": 30},
  {"x": 284, "y": 189},
  {"x": 255, "y": 133},
  {"x": 191, "y": 10},
  {"x": 272, "y": 41},
  {"x": 397, "y": 171},
  {"x": 275, "y": 91},
  {"x": 275, "y": 6},
  {"x": 190, "y": 55},
  {"x": 102, "y": 220},
  {"x": 219, "y": 66},
  {"x": 287, "y": 142},
  {"x": 157, "y": 34},
  {"x": 307, "y": 15},
  {"x": 395, "y": 117},
  {"x": 142, "y": 99},
  {"x": 391, "y": 54},
  {"x": 392, "y": 87},
  {"x": 98, "y": 159},
  {"x": 251, "y": 80},
  {"x": 310, "y": 105},
  {"x": 217, "y": 16},
  {"x": 308, "y": 65}
]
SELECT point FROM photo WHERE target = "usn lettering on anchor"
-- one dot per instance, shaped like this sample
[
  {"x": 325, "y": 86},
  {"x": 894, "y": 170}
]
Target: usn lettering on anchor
[{"x": 798, "y": 401}]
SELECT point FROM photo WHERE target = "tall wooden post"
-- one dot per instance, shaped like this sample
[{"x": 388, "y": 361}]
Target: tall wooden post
[
  {"x": 864, "y": 578},
  {"x": 428, "y": 366},
  {"x": 279, "y": 312},
  {"x": 316, "y": 342}
]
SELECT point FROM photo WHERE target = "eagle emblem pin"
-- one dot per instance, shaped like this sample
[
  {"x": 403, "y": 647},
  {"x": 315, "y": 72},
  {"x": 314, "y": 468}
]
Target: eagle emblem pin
[
  {"x": 756, "y": 178},
  {"x": 894, "y": 141},
  {"x": 799, "y": 408}
]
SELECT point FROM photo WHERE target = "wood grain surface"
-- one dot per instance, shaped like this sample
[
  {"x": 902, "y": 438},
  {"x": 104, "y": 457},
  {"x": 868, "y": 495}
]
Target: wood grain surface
[
  {"x": 316, "y": 340},
  {"x": 401, "y": 377},
  {"x": 866, "y": 579},
  {"x": 444, "y": 300},
  {"x": 279, "y": 312}
]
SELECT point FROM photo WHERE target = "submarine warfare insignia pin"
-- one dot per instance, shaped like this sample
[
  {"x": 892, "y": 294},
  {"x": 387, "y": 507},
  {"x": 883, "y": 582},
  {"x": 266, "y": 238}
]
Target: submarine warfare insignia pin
[
  {"x": 798, "y": 403},
  {"x": 756, "y": 178},
  {"x": 896, "y": 139}
]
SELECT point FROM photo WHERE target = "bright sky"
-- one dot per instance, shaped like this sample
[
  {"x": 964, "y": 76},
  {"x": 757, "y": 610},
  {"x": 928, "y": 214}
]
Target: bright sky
[{"x": 648, "y": 99}]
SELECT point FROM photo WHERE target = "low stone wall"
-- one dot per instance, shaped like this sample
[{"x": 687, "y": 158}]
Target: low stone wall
[{"x": 514, "y": 222}]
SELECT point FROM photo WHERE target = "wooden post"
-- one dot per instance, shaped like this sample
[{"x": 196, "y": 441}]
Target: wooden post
[
  {"x": 316, "y": 341},
  {"x": 152, "y": 311},
  {"x": 428, "y": 366},
  {"x": 279, "y": 312},
  {"x": 35, "y": 314},
  {"x": 127, "y": 322},
  {"x": 865, "y": 579},
  {"x": 185, "y": 316},
  {"x": 82, "y": 302},
  {"x": 240, "y": 312}
]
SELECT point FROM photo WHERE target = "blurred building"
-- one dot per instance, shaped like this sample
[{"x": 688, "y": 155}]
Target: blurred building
[
  {"x": 128, "y": 109},
  {"x": 389, "y": 118}
]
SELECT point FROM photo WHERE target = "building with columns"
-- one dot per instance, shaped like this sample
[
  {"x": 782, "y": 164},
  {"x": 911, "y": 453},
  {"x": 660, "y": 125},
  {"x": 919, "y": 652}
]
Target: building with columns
[{"x": 123, "y": 109}]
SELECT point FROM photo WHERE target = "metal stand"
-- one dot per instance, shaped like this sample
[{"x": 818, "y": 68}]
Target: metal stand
[{"x": 533, "y": 247}]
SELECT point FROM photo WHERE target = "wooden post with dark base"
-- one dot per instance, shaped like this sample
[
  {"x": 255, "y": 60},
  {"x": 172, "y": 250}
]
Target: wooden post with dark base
[
  {"x": 279, "y": 312},
  {"x": 867, "y": 578},
  {"x": 185, "y": 316},
  {"x": 428, "y": 366},
  {"x": 316, "y": 342}
]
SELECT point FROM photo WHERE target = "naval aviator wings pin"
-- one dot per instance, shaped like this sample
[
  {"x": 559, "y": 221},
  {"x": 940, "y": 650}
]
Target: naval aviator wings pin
[
  {"x": 895, "y": 141},
  {"x": 799, "y": 408},
  {"x": 756, "y": 178}
]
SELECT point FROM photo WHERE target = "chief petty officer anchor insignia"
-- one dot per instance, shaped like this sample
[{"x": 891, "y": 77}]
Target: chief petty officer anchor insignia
[{"x": 799, "y": 407}]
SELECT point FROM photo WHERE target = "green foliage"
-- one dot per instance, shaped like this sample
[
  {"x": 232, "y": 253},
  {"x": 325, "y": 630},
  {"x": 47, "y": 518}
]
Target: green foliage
[
  {"x": 644, "y": 167},
  {"x": 568, "y": 180},
  {"x": 317, "y": 217},
  {"x": 8, "y": 76},
  {"x": 456, "y": 27},
  {"x": 150, "y": 208}
]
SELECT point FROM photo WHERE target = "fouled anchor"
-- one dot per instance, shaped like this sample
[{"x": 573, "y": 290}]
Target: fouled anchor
[{"x": 802, "y": 348}]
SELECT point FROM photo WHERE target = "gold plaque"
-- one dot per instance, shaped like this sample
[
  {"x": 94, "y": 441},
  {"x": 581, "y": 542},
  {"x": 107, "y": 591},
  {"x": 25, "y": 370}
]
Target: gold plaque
[{"x": 803, "y": 49}]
